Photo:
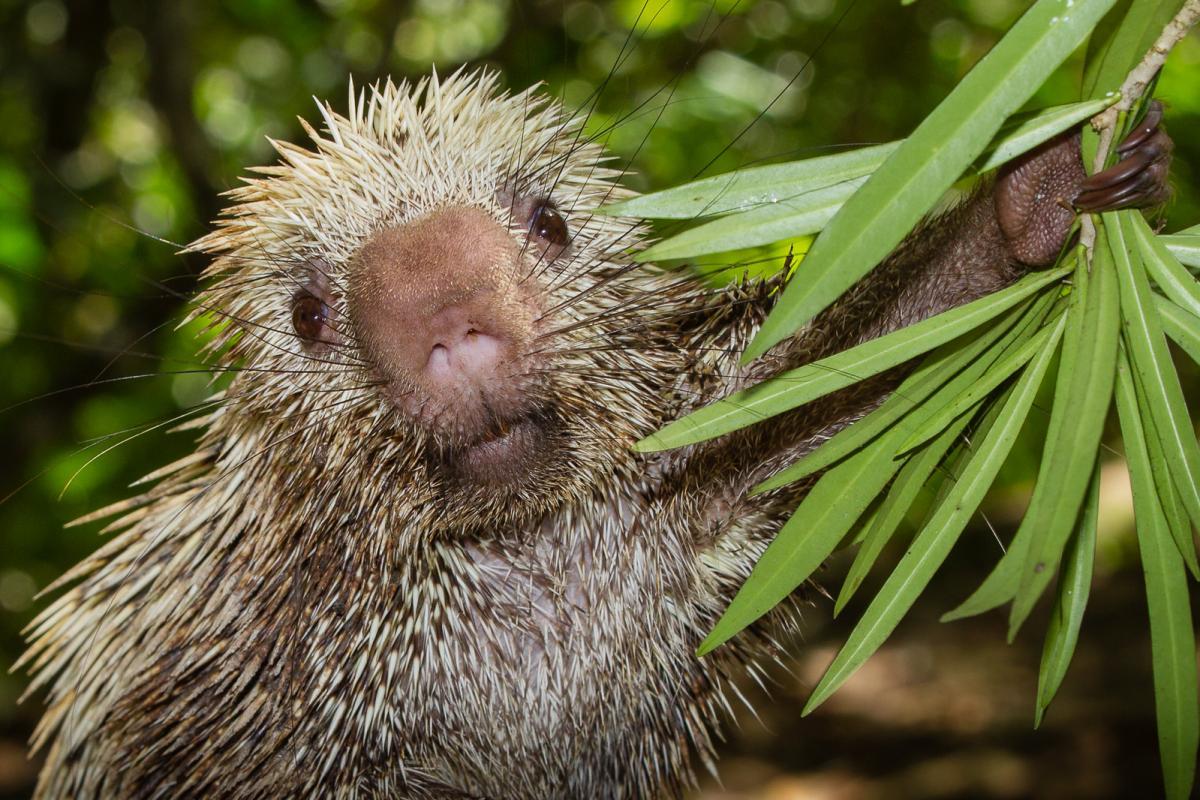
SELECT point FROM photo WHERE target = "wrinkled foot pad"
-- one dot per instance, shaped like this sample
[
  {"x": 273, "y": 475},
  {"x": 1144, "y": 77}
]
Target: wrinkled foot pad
[{"x": 1139, "y": 179}]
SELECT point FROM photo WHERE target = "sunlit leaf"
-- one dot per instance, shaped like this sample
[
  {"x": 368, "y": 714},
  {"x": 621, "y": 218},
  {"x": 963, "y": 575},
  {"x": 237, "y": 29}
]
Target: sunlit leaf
[
  {"x": 799, "y": 215},
  {"x": 1172, "y": 638},
  {"x": 798, "y": 386},
  {"x": 753, "y": 187},
  {"x": 931, "y": 546},
  {"x": 912, "y": 179},
  {"x": 1185, "y": 246},
  {"x": 1074, "y": 585},
  {"x": 903, "y": 492},
  {"x": 1082, "y": 397},
  {"x": 827, "y": 512},
  {"x": 1154, "y": 368}
]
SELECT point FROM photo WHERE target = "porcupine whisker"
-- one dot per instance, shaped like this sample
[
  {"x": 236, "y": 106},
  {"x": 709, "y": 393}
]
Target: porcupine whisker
[
  {"x": 205, "y": 405},
  {"x": 563, "y": 160},
  {"x": 201, "y": 369},
  {"x": 594, "y": 97},
  {"x": 618, "y": 62},
  {"x": 287, "y": 274},
  {"x": 757, "y": 118},
  {"x": 247, "y": 327},
  {"x": 221, "y": 475},
  {"x": 82, "y": 449}
]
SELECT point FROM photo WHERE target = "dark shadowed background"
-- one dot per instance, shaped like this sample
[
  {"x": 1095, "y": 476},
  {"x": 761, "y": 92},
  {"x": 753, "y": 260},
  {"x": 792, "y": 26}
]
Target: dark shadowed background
[{"x": 121, "y": 122}]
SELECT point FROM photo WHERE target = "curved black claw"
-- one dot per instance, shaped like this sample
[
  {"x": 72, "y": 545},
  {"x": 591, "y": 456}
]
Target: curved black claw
[{"x": 1139, "y": 179}]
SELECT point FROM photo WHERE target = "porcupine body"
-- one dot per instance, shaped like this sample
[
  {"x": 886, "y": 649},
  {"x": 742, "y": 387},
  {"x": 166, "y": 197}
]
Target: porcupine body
[{"x": 413, "y": 554}]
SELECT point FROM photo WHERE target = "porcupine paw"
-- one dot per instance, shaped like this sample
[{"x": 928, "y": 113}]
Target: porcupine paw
[
  {"x": 1038, "y": 195},
  {"x": 1139, "y": 179}
]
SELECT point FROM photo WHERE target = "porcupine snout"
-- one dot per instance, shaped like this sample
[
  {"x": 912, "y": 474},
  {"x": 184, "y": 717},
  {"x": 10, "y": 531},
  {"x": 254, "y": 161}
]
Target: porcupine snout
[{"x": 439, "y": 306}]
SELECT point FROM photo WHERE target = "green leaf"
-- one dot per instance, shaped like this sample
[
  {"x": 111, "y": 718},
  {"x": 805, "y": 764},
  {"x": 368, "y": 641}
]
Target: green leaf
[
  {"x": 1004, "y": 581},
  {"x": 931, "y": 546},
  {"x": 1172, "y": 638},
  {"x": 917, "y": 469},
  {"x": 955, "y": 365},
  {"x": 1168, "y": 498},
  {"x": 798, "y": 386},
  {"x": 783, "y": 201},
  {"x": 1181, "y": 326},
  {"x": 1175, "y": 281},
  {"x": 832, "y": 506},
  {"x": 1073, "y": 588},
  {"x": 1082, "y": 397},
  {"x": 900, "y": 497},
  {"x": 912, "y": 179},
  {"x": 1155, "y": 371},
  {"x": 1028, "y": 131},
  {"x": 799, "y": 215},
  {"x": 978, "y": 389},
  {"x": 1185, "y": 246},
  {"x": 753, "y": 188},
  {"x": 1121, "y": 41}
]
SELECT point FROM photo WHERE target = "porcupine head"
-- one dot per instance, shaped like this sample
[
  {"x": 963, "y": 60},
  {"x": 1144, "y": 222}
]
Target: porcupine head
[{"x": 412, "y": 549}]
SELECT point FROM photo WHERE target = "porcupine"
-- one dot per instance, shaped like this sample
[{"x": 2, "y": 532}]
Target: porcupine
[{"x": 413, "y": 554}]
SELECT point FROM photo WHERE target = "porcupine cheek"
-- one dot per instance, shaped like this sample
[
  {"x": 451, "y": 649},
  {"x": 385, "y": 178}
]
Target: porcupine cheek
[{"x": 440, "y": 308}]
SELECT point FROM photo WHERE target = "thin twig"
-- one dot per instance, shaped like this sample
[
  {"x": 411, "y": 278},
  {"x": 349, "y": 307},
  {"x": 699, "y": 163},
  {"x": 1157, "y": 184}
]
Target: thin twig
[{"x": 1132, "y": 89}]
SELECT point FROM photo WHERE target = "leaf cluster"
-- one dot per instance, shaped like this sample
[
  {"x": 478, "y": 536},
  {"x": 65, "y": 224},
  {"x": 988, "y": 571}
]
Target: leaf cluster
[{"x": 1103, "y": 317}]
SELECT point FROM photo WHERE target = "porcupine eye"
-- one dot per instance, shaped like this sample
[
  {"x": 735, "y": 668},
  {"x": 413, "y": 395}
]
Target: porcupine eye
[
  {"x": 309, "y": 317},
  {"x": 548, "y": 227}
]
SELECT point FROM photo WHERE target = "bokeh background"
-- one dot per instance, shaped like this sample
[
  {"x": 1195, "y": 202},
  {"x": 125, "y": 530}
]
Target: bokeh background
[{"x": 122, "y": 121}]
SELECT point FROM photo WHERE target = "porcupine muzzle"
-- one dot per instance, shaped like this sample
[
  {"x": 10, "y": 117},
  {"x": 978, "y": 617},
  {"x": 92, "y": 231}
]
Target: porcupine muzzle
[{"x": 440, "y": 307}]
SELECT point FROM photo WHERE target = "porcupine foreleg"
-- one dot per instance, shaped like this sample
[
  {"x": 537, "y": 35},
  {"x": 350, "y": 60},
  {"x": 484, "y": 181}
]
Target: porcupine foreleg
[{"x": 1018, "y": 221}]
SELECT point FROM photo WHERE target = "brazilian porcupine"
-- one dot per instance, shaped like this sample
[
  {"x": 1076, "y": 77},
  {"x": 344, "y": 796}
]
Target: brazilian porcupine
[{"x": 413, "y": 554}]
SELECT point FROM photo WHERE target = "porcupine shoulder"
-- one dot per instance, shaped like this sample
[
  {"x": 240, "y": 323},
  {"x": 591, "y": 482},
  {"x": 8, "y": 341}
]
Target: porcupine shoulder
[{"x": 413, "y": 554}]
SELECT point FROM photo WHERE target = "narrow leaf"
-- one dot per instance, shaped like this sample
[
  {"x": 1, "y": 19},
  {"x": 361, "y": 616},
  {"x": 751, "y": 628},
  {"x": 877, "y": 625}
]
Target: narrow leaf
[
  {"x": 1172, "y": 638},
  {"x": 1169, "y": 501},
  {"x": 1181, "y": 326},
  {"x": 937, "y": 537},
  {"x": 912, "y": 179},
  {"x": 1073, "y": 588},
  {"x": 754, "y": 187},
  {"x": 1082, "y": 397},
  {"x": 799, "y": 215},
  {"x": 900, "y": 497},
  {"x": 1003, "y": 582},
  {"x": 1151, "y": 361},
  {"x": 954, "y": 365},
  {"x": 1185, "y": 246},
  {"x": 831, "y": 507},
  {"x": 1030, "y": 131},
  {"x": 1175, "y": 281},
  {"x": 798, "y": 386},
  {"x": 978, "y": 389}
]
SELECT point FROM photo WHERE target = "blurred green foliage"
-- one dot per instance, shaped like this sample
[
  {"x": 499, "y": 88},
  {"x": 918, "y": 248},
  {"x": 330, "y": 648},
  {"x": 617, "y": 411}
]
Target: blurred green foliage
[{"x": 123, "y": 120}]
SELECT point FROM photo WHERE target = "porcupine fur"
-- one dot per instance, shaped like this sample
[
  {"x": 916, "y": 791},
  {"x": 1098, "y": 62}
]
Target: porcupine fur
[{"x": 309, "y": 606}]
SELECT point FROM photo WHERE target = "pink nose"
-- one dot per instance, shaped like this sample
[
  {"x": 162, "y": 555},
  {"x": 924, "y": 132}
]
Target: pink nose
[
  {"x": 436, "y": 304},
  {"x": 461, "y": 351}
]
